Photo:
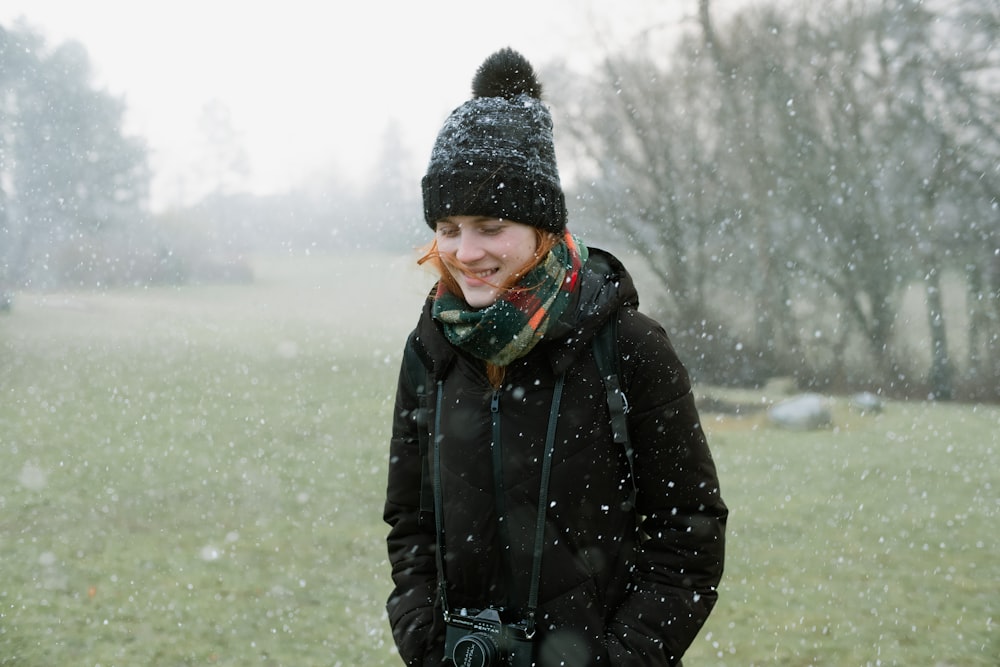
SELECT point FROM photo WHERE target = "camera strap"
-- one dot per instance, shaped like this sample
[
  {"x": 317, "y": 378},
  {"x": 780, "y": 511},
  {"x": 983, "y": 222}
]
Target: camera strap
[{"x": 543, "y": 493}]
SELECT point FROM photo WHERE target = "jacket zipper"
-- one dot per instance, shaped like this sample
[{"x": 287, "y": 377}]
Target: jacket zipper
[
  {"x": 498, "y": 490},
  {"x": 497, "y": 450}
]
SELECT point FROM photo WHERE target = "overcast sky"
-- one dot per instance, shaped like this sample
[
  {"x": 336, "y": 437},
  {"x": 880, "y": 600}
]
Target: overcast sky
[{"x": 311, "y": 86}]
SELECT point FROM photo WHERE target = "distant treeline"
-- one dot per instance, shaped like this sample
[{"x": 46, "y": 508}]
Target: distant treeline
[{"x": 74, "y": 191}]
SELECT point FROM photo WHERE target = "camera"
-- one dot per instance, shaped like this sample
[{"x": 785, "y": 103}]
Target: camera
[{"x": 480, "y": 639}]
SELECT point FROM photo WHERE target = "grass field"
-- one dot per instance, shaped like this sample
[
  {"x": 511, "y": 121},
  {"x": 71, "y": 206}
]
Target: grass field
[{"x": 194, "y": 477}]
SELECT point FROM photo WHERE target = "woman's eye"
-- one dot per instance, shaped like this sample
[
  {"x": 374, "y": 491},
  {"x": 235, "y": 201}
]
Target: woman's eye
[
  {"x": 447, "y": 232},
  {"x": 492, "y": 231}
]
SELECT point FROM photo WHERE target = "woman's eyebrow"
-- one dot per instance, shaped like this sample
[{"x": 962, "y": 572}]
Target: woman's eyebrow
[{"x": 473, "y": 219}]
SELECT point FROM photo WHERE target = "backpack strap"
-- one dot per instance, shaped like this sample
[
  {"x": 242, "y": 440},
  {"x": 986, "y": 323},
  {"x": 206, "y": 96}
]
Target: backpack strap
[
  {"x": 421, "y": 378},
  {"x": 607, "y": 356}
]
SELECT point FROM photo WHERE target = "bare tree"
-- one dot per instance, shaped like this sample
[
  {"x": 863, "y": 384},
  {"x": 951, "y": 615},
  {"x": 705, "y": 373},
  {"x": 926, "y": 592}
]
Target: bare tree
[
  {"x": 811, "y": 168},
  {"x": 70, "y": 179}
]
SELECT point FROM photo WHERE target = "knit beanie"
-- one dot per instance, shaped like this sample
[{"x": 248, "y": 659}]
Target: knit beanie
[{"x": 494, "y": 156}]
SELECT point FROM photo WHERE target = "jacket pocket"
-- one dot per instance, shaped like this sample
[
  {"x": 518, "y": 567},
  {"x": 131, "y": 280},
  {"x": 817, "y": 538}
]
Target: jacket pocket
[
  {"x": 572, "y": 628},
  {"x": 413, "y": 634}
]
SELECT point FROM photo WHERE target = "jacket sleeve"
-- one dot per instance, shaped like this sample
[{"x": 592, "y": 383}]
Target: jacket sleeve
[
  {"x": 681, "y": 512},
  {"x": 411, "y": 543}
]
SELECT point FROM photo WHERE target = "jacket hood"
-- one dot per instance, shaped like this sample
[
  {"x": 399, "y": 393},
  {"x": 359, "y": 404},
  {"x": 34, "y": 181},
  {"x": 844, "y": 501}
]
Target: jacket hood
[{"x": 605, "y": 287}]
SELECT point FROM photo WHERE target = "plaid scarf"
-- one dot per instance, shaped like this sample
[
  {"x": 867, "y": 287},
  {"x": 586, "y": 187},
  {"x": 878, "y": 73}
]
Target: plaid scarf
[{"x": 513, "y": 324}]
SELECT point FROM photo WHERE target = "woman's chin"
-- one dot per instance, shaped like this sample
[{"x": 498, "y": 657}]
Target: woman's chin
[{"x": 479, "y": 297}]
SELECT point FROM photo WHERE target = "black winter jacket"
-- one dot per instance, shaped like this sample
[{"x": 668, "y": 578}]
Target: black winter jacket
[{"x": 619, "y": 585}]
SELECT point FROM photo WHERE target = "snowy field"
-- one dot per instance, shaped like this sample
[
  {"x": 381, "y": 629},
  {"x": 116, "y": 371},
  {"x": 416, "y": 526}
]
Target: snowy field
[{"x": 194, "y": 476}]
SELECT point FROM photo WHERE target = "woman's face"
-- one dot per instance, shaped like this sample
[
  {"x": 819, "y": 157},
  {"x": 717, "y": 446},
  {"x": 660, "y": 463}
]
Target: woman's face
[{"x": 490, "y": 252}]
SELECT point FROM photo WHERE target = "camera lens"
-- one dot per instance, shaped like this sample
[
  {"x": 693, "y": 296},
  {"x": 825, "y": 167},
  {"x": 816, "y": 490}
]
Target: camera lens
[{"x": 476, "y": 650}]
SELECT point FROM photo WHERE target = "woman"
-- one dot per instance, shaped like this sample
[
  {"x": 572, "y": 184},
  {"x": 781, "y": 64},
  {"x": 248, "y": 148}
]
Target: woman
[{"x": 519, "y": 522}]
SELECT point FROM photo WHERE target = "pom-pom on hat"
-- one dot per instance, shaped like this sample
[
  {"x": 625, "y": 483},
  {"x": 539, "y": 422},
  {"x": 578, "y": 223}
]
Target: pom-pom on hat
[{"x": 495, "y": 156}]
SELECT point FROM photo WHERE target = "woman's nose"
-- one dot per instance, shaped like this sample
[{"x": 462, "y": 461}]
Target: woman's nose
[{"x": 469, "y": 248}]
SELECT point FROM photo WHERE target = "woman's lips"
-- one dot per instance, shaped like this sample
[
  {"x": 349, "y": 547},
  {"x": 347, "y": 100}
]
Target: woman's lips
[{"x": 476, "y": 278}]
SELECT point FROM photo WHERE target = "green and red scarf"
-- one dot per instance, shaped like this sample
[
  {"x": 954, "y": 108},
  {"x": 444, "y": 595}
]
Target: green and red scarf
[{"x": 513, "y": 324}]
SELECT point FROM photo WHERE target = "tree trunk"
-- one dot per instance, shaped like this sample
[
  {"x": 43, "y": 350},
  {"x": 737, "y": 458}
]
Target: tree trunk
[
  {"x": 978, "y": 318},
  {"x": 939, "y": 378}
]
